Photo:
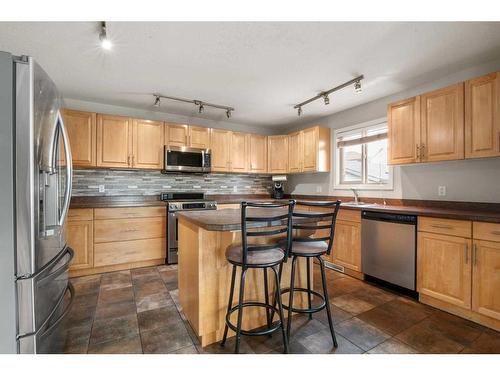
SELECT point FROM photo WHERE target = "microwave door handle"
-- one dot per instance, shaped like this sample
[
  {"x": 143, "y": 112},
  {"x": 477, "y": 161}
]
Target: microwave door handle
[
  {"x": 69, "y": 170},
  {"x": 203, "y": 160}
]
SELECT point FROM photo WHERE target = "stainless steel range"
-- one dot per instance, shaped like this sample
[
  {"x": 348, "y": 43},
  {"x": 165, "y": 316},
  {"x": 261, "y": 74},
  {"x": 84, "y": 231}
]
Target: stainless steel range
[{"x": 181, "y": 202}]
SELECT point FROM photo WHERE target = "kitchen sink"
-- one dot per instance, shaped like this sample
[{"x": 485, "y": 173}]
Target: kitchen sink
[{"x": 358, "y": 204}]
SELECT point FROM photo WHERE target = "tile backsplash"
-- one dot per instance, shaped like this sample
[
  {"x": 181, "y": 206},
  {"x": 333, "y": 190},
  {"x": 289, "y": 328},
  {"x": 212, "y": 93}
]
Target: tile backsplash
[{"x": 141, "y": 182}]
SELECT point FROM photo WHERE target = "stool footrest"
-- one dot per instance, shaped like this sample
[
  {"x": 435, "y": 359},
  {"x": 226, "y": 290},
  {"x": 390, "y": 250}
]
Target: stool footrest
[
  {"x": 274, "y": 326},
  {"x": 312, "y": 310}
]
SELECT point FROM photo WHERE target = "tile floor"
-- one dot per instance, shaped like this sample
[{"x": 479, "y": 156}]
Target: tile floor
[{"x": 137, "y": 311}]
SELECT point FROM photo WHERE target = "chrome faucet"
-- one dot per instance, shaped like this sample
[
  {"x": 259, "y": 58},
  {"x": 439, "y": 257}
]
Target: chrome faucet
[{"x": 356, "y": 198}]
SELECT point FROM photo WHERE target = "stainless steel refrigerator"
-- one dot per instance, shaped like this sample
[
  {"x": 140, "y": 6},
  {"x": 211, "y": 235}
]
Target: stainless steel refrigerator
[{"x": 35, "y": 185}]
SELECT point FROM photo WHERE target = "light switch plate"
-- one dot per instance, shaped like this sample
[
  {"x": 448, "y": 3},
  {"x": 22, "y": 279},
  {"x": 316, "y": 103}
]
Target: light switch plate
[
  {"x": 101, "y": 189},
  {"x": 441, "y": 191}
]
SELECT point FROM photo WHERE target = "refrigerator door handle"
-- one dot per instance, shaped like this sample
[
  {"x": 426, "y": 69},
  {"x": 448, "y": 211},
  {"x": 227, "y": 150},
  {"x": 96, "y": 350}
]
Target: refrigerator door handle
[
  {"x": 71, "y": 290},
  {"x": 69, "y": 170}
]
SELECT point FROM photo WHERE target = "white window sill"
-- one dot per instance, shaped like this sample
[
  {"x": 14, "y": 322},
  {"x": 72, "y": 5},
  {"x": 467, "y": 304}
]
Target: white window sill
[{"x": 364, "y": 187}]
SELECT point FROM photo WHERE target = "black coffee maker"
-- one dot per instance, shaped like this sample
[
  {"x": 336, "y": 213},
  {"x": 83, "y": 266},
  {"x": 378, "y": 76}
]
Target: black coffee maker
[{"x": 278, "y": 187}]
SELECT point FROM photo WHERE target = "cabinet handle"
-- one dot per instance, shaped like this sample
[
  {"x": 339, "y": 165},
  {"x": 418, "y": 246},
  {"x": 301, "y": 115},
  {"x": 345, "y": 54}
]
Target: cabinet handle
[
  {"x": 442, "y": 226},
  {"x": 466, "y": 253},
  {"x": 128, "y": 160},
  {"x": 133, "y": 160},
  {"x": 474, "y": 250},
  {"x": 496, "y": 232},
  {"x": 418, "y": 151},
  {"x": 422, "y": 151}
]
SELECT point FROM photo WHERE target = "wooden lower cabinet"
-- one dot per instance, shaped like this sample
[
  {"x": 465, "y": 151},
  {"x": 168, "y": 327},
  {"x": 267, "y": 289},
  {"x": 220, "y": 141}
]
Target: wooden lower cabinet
[
  {"x": 347, "y": 245},
  {"x": 486, "y": 278},
  {"x": 110, "y": 239},
  {"x": 444, "y": 268},
  {"x": 79, "y": 231}
]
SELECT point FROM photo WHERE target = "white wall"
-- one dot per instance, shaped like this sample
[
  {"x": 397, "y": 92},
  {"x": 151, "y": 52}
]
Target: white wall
[
  {"x": 81, "y": 105},
  {"x": 465, "y": 180}
]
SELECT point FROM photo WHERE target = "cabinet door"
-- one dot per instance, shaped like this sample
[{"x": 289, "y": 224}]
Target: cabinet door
[
  {"x": 310, "y": 149},
  {"x": 257, "y": 148},
  {"x": 148, "y": 141},
  {"x": 347, "y": 245},
  {"x": 199, "y": 137},
  {"x": 486, "y": 278},
  {"x": 295, "y": 152},
  {"x": 80, "y": 237},
  {"x": 220, "y": 141},
  {"x": 81, "y": 127},
  {"x": 239, "y": 154},
  {"x": 404, "y": 131},
  {"x": 442, "y": 124},
  {"x": 444, "y": 268},
  {"x": 277, "y": 148},
  {"x": 176, "y": 134},
  {"x": 482, "y": 122},
  {"x": 114, "y": 141}
]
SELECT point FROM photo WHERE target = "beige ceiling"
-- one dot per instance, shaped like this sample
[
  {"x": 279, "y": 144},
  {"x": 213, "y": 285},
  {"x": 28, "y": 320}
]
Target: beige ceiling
[{"x": 261, "y": 69}]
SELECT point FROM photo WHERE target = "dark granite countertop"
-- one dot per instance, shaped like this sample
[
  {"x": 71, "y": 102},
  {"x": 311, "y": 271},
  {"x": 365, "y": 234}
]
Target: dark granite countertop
[{"x": 489, "y": 212}]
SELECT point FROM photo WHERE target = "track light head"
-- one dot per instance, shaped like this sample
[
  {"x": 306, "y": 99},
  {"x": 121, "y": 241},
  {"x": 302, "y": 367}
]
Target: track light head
[
  {"x": 299, "y": 111},
  {"x": 357, "y": 86},
  {"x": 103, "y": 37},
  {"x": 326, "y": 99},
  {"x": 228, "y": 113},
  {"x": 157, "y": 101},
  {"x": 201, "y": 108}
]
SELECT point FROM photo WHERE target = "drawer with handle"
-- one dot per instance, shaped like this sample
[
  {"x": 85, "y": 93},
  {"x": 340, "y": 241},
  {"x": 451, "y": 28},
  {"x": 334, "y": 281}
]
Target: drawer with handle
[
  {"x": 460, "y": 228},
  {"x": 486, "y": 231}
]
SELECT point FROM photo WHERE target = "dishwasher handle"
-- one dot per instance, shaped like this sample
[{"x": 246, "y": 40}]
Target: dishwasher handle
[{"x": 389, "y": 217}]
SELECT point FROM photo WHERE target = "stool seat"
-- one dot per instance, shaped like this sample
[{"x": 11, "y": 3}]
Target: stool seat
[
  {"x": 268, "y": 257},
  {"x": 307, "y": 249}
]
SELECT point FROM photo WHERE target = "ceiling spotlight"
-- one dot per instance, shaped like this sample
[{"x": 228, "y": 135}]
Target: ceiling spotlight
[
  {"x": 299, "y": 111},
  {"x": 201, "y": 108},
  {"x": 357, "y": 86},
  {"x": 228, "y": 113},
  {"x": 157, "y": 101},
  {"x": 103, "y": 37},
  {"x": 326, "y": 99}
]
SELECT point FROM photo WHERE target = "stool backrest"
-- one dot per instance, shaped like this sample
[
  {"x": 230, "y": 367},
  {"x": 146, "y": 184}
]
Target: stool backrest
[
  {"x": 328, "y": 214},
  {"x": 277, "y": 215}
]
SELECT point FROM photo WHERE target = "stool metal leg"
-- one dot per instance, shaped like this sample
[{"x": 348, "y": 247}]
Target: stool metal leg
[
  {"x": 240, "y": 309},
  {"x": 280, "y": 309},
  {"x": 327, "y": 300},
  {"x": 229, "y": 304},
  {"x": 266, "y": 296},
  {"x": 277, "y": 289},
  {"x": 309, "y": 286},
  {"x": 290, "y": 300}
]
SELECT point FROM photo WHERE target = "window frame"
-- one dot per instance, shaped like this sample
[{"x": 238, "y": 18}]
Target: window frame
[{"x": 342, "y": 185}]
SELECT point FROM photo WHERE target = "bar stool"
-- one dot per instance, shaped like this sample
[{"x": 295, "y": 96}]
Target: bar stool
[
  {"x": 307, "y": 247},
  {"x": 260, "y": 256}
]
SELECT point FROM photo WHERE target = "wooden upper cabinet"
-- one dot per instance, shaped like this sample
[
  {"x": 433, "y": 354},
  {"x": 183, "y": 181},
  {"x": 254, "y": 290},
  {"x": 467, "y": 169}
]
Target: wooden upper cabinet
[
  {"x": 482, "y": 122},
  {"x": 277, "y": 158},
  {"x": 148, "y": 141},
  {"x": 238, "y": 155},
  {"x": 257, "y": 149},
  {"x": 442, "y": 124},
  {"x": 114, "y": 141},
  {"x": 404, "y": 131},
  {"x": 176, "y": 134},
  {"x": 444, "y": 268},
  {"x": 199, "y": 137},
  {"x": 295, "y": 152},
  {"x": 220, "y": 147},
  {"x": 486, "y": 279},
  {"x": 81, "y": 127}
]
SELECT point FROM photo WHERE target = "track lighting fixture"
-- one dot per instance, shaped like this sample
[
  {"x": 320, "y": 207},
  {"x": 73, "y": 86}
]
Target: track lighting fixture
[
  {"x": 357, "y": 87},
  {"x": 103, "y": 37},
  {"x": 200, "y": 104}
]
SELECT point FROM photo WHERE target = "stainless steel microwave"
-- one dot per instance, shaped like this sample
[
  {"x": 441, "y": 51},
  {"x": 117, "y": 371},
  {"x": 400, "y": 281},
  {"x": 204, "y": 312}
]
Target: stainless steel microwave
[{"x": 186, "y": 159}]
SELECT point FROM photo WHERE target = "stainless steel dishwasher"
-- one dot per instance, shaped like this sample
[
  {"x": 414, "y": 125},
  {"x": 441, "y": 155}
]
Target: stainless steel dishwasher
[{"x": 388, "y": 246}]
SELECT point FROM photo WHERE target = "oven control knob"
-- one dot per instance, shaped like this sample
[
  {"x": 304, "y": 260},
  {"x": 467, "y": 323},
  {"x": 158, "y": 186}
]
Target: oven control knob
[{"x": 174, "y": 206}]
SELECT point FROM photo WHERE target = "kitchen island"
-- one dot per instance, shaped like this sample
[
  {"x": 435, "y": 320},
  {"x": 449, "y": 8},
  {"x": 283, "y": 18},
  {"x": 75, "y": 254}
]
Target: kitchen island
[{"x": 205, "y": 274}]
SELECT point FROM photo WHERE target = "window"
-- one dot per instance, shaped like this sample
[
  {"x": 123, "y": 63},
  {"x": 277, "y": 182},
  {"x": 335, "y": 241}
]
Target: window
[{"x": 361, "y": 157}]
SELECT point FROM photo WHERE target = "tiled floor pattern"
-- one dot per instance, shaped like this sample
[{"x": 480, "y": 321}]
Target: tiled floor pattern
[{"x": 138, "y": 312}]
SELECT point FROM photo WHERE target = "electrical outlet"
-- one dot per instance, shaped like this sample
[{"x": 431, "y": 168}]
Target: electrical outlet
[
  {"x": 319, "y": 189},
  {"x": 441, "y": 191},
  {"x": 101, "y": 189}
]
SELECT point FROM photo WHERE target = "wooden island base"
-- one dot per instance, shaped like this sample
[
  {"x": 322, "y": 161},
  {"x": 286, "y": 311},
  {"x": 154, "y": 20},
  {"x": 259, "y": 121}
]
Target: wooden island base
[{"x": 205, "y": 278}]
